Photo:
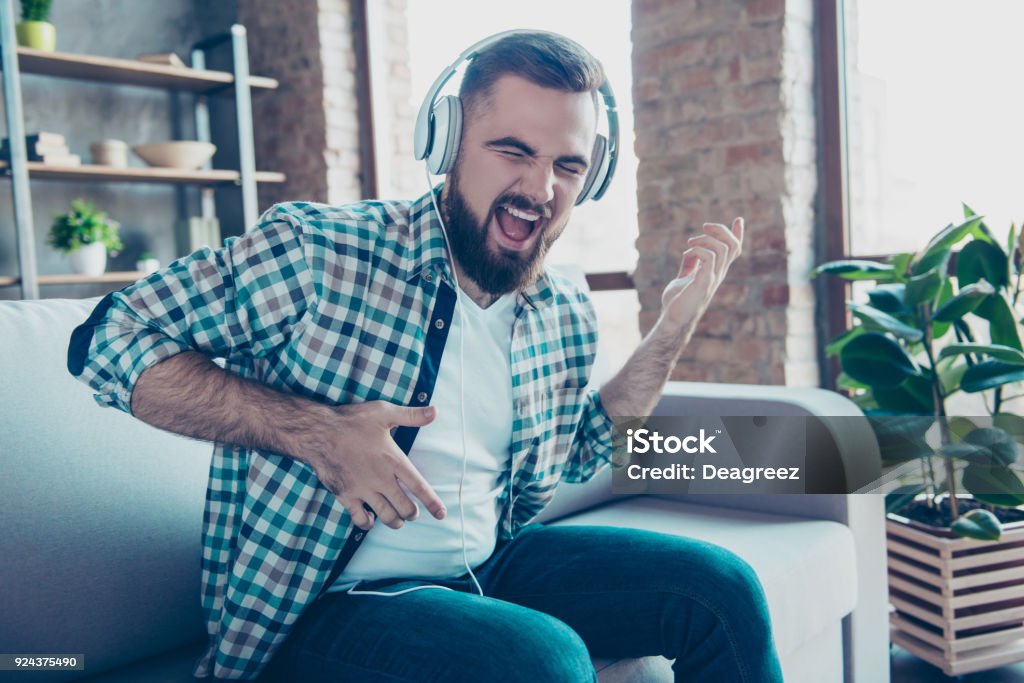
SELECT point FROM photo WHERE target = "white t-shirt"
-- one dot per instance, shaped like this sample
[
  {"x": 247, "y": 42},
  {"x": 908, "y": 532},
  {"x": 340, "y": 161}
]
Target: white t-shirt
[{"x": 427, "y": 547}]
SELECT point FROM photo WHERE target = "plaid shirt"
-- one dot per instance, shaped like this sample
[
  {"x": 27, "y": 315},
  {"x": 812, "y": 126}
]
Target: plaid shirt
[{"x": 340, "y": 304}]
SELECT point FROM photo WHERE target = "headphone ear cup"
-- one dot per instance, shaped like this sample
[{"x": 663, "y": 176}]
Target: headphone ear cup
[
  {"x": 446, "y": 125},
  {"x": 598, "y": 173}
]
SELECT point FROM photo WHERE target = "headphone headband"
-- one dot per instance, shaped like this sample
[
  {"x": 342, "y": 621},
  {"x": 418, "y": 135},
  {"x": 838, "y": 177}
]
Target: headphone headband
[{"x": 439, "y": 125}]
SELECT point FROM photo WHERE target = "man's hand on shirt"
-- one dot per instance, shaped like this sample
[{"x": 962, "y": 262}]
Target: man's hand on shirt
[
  {"x": 349, "y": 447},
  {"x": 702, "y": 270},
  {"x": 361, "y": 463}
]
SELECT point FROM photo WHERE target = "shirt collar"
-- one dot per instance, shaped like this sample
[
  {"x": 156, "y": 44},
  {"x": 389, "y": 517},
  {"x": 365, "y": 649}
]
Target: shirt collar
[{"x": 427, "y": 252}]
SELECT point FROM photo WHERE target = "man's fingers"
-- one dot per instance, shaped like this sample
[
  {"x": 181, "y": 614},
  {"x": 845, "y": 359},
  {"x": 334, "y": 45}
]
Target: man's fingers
[
  {"x": 404, "y": 506},
  {"x": 707, "y": 257},
  {"x": 418, "y": 486},
  {"x": 738, "y": 228},
  {"x": 403, "y": 416},
  {"x": 361, "y": 515},
  {"x": 689, "y": 265},
  {"x": 385, "y": 512},
  {"x": 721, "y": 250},
  {"x": 726, "y": 236}
]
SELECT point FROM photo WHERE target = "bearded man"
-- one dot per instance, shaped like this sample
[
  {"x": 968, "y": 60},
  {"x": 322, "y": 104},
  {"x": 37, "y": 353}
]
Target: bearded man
[{"x": 367, "y": 367}]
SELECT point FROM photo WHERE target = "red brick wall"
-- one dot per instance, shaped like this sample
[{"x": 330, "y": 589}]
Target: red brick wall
[
  {"x": 309, "y": 127},
  {"x": 288, "y": 122},
  {"x": 723, "y": 100}
]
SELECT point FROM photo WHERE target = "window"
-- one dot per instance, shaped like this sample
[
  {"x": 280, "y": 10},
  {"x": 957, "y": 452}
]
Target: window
[
  {"x": 935, "y": 118},
  {"x": 932, "y": 118}
]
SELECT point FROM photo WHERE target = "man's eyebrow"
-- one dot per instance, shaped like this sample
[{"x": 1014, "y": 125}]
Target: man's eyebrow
[{"x": 515, "y": 142}]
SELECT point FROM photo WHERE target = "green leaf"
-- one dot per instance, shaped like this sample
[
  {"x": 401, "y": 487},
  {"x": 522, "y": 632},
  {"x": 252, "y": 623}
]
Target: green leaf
[
  {"x": 940, "y": 329},
  {"x": 1011, "y": 424},
  {"x": 837, "y": 344},
  {"x": 901, "y": 437},
  {"x": 983, "y": 232},
  {"x": 900, "y": 262},
  {"x": 1002, "y": 327},
  {"x": 951, "y": 376},
  {"x": 878, "y": 320},
  {"x": 888, "y": 298},
  {"x": 877, "y": 360},
  {"x": 1006, "y": 354},
  {"x": 982, "y": 261},
  {"x": 989, "y": 374},
  {"x": 923, "y": 288},
  {"x": 937, "y": 251},
  {"x": 1000, "y": 445},
  {"x": 964, "y": 302},
  {"x": 994, "y": 485},
  {"x": 853, "y": 269},
  {"x": 903, "y": 496},
  {"x": 978, "y": 524},
  {"x": 960, "y": 427},
  {"x": 912, "y": 397},
  {"x": 844, "y": 381},
  {"x": 984, "y": 446}
]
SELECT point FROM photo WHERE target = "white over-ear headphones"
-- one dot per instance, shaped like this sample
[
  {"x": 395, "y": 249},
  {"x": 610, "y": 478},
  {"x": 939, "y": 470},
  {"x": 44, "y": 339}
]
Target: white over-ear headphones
[{"x": 439, "y": 128}]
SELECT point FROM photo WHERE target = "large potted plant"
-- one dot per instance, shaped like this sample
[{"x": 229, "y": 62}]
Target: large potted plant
[
  {"x": 934, "y": 329},
  {"x": 35, "y": 30},
  {"x": 86, "y": 234}
]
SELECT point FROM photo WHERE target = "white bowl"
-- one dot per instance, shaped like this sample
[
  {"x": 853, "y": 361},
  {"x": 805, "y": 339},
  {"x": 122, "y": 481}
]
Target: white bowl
[{"x": 188, "y": 154}]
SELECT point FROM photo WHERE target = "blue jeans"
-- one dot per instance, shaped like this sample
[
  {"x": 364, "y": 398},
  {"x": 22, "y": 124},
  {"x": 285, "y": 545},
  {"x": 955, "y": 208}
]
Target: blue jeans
[{"x": 555, "y": 596}]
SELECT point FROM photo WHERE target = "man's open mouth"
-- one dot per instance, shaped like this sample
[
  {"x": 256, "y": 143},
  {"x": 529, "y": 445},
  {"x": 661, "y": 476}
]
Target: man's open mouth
[{"x": 516, "y": 226}]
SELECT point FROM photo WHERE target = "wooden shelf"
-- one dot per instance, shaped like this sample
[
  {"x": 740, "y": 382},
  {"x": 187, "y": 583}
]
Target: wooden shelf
[
  {"x": 75, "y": 279},
  {"x": 89, "y": 172},
  {"x": 130, "y": 72}
]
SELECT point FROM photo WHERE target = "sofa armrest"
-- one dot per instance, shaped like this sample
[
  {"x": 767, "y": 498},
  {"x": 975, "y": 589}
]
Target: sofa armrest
[{"x": 836, "y": 427}]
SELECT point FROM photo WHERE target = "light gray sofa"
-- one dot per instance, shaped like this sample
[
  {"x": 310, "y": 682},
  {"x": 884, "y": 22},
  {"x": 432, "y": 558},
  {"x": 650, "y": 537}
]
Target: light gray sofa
[{"x": 100, "y": 520}]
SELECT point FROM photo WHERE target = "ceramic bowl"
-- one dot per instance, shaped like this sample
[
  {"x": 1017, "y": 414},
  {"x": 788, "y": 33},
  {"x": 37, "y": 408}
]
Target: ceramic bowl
[{"x": 188, "y": 154}]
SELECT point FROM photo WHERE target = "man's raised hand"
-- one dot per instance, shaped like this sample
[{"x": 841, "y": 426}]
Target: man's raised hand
[{"x": 701, "y": 271}]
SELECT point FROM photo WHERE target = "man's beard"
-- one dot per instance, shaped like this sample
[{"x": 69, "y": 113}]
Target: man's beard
[{"x": 494, "y": 273}]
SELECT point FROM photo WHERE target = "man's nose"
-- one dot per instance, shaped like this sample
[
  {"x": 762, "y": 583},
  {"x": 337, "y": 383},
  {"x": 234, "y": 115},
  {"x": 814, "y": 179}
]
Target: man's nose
[{"x": 538, "y": 182}]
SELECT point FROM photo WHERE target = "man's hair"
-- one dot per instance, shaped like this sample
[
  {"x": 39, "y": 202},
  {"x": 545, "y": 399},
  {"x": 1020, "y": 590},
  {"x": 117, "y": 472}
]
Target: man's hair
[{"x": 545, "y": 59}]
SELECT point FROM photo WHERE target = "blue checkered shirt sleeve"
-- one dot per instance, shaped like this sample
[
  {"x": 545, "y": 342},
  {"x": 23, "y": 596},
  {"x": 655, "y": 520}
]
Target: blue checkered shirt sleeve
[
  {"x": 241, "y": 300},
  {"x": 593, "y": 446}
]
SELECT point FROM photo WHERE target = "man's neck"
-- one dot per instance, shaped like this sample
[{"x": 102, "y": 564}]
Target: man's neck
[{"x": 481, "y": 298}]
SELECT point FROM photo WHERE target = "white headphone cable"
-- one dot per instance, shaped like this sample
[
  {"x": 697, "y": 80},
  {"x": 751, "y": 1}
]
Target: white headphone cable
[
  {"x": 462, "y": 417},
  {"x": 462, "y": 378}
]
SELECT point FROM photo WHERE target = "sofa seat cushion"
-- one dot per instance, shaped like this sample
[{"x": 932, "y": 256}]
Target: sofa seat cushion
[
  {"x": 807, "y": 567},
  {"x": 168, "y": 667}
]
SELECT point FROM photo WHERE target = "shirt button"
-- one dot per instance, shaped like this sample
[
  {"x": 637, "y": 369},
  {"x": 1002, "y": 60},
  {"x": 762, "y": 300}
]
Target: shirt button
[
  {"x": 421, "y": 397},
  {"x": 439, "y": 323},
  {"x": 428, "y": 276}
]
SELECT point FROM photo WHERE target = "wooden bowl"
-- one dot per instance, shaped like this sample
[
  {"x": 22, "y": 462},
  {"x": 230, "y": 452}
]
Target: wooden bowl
[{"x": 187, "y": 154}]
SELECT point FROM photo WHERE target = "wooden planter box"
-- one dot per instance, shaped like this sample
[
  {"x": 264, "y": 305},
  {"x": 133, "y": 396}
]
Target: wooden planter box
[{"x": 959, "y": 603}]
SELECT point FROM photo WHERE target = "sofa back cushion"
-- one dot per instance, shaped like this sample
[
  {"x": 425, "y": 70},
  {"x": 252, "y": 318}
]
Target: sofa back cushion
[{"x": 100, "y": 514}]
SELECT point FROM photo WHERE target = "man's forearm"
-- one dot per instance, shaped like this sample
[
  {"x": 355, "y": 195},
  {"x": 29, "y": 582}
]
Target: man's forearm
[
  {"x": 635, "y": 389},
  {"x": 189, "y": 394}
]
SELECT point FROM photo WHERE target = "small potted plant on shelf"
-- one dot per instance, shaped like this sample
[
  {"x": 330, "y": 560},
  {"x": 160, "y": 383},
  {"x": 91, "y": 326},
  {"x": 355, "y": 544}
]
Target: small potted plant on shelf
[
  {"x": 35, "y": 30},
  {"x": 87, "y": 234},
  {"x": 147, "y": 263},
  {"x": 935, "y": 329}
]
